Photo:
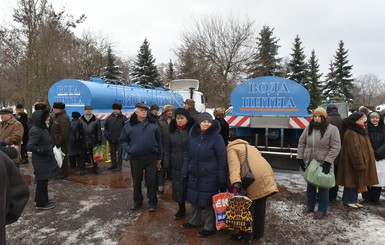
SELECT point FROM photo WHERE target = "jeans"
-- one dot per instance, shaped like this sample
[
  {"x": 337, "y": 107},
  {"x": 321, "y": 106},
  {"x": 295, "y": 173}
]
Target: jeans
[
  {"x": 323, "y": 198},
  {"x": 350, "y": 195}
]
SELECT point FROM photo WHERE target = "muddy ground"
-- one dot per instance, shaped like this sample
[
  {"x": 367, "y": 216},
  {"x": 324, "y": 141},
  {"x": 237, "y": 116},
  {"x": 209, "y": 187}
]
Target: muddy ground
[{"x": 95, "y": 209}]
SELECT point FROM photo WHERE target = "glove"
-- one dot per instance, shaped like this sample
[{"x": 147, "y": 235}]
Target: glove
[
  {"x": 222, "y": 187},
  {"x": 2, "y": 143},
  {"x": 301, "y": 164},
  {"x": 326, "y": 167},
  {"x": 377, "y": 156},
  {"x": 238, "y": 187}
]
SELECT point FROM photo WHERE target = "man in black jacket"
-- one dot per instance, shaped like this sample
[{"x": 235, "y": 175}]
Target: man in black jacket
[
  {"x": 141, "y": 139},
  {"x": 22, "y": 117},
  {"x": 90, "y": 135},
  {"x": 112, "y": 129},
  {"x": 336, "y": 120}
]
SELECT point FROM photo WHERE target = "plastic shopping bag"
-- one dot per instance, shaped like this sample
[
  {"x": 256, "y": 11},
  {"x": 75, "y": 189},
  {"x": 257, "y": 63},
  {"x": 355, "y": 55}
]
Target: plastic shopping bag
[
  {"x": 99, "y": 153},
  {"x": 380, "y": 166},
  {"x": 220, "y": 204},
  {"x": 59, "y": 156},
  {"x": 238, "y": 215}
]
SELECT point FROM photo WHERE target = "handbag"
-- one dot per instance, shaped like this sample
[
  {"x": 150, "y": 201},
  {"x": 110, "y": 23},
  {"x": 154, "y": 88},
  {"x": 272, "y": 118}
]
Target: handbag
[
  {"x": 247, "y": 176},
  {"x": 238, "y": 215},
  {"x": 315, "y": 176}
]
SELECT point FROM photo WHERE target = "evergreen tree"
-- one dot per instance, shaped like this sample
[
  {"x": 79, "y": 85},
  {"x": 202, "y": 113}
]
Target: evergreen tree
[
  {"x": 112, "y": 70},
  {"x": 339, "y": 85},
  {"x": 314, "y": 84},
  {"x": 342, "y": 71},
  {"x": 265, "y": 61},
  {"x": 170, "y": 71},
  {"x": 145, "y": 71},
  {"x": 297, "y": 64}
]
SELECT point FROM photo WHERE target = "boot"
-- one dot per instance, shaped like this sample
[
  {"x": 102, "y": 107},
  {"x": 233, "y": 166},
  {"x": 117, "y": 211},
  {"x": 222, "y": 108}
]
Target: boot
[{"x": 181, "y": 212}]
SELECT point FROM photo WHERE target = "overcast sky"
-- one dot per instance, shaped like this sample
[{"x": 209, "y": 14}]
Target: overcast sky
[{"x": 320, "y": 25}]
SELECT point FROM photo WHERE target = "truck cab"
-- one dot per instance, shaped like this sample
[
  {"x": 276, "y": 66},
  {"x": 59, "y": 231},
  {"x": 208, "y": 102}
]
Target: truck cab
[{"x": 188, "y": 89}]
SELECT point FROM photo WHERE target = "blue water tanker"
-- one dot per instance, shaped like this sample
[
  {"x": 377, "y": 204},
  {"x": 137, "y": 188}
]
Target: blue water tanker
[{"x": 77, "y": 93}]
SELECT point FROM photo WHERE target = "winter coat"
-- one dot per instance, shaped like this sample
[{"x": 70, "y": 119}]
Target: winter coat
[
  {"x": 205, "y": 165},
  {"x": 60, "y": 131},
  {"x": 264, "y": 184},
  {"x": 74, "y": 146},
  {"x": 193, "y": 113},
  {"x": 325, "y": 149},
  {"x": 141, "y": 138},
  {"x": 14, "y": 194},
  {"x": 11, "y": 133},
  {"x": 39, "y": 143},
  {"x": 173, "y": 157},
  {"x": 377, "y": 138},
  {"x": 114, "y": 126},
  {"x": 89, "y": 132},
  {"x": 335, "y": 119},
  {"x": 224, "y": 129},
  {"x": 23, "y": 119},
  {"x": 357, "y": 165},
  {"x": 165, "y": 136}
]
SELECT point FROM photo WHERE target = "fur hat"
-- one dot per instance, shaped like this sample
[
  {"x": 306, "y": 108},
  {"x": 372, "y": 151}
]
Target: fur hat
[
  {"x": 76, "y": 114},
  {"x": 204, "y": 116},
  {"x": 355, "y": 116},
  {"x": 168, "y": 108},
  {"x": 364, "y": 110},
  {"x": 116, "y": 106},
  {"x": 331, "y": 108},
  {"x": 154, "y": 107},
  {"x": 88, "y": 107},
  {"x": 382, "y": 112},
  {"x": 40, "y": 106},
  {"x": 19, "y": 106},
  {"x": 182, "y": 111},
  {"x": 6, "y": 111},
  {"x": 59, "y": 105},
  {"x": 320, "y": 111},
  {"x": 190, "y": 102},
  {"x": 141, "y": 105}
]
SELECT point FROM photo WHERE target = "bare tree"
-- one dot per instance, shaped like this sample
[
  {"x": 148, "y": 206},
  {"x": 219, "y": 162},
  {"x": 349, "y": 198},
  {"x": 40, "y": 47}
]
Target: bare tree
[
  {"x": 223, "y": 46},
  {"x": 369, "y": 90}
]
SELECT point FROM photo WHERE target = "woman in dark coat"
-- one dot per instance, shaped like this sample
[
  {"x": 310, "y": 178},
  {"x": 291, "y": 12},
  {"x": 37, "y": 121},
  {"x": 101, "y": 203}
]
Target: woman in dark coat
[
  {"x": 357, "y": 164},
  {"x": 179, "y": 135},
  {"x": 376, "y": 133},
  {"x": 43, "y": 159},
  {"x": 205, "y": 167}
]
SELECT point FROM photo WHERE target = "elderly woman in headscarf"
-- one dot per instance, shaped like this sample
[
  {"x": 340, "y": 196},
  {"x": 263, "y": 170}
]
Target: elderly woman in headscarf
[
  {"x": 357, "y": 164},
  {"x": 320, "y": 141}
]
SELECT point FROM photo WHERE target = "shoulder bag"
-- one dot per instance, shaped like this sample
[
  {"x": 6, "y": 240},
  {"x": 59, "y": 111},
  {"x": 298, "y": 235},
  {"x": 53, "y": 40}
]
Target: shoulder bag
[
  {"x": 315, "y": 176},
  {"x": 247, "y": 176}
]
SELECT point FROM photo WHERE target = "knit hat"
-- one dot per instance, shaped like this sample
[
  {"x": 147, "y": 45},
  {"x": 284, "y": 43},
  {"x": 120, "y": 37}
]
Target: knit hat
[
  {"x": 204, "y": 116},
  {"x": 141, "y": 105},
  {"x": 154, "y": 107},
  {"x": 374, "y": 114},
  {"x": 331, "y": 108},
  {"x": 182, "y": 111},
  {"x": 59, "y": 105},
  {"x": 88, "y": 107},
  {"x": 116, "y": 106},
  {"x": 75, "y": 114},
  {"x": 168, "y": 108},
  {"x": 40, "y": 106},
  {"x": 19, "y": 106},
  {"x": 355, "y": 116},
  {"x": 6, "y": 111},
  {"x": 320, "y": 111},
  {"x": 190, "y": 102}
]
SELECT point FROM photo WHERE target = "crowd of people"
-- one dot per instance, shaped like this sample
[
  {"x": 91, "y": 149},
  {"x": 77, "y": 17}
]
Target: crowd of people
[
  {"x": 192, "y": 150},
  {"x": 351, "y": 147}
]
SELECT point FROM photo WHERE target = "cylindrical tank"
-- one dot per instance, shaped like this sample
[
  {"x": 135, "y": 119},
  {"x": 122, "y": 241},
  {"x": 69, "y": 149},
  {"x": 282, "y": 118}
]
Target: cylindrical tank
[{"x": 75, "y": 94}]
